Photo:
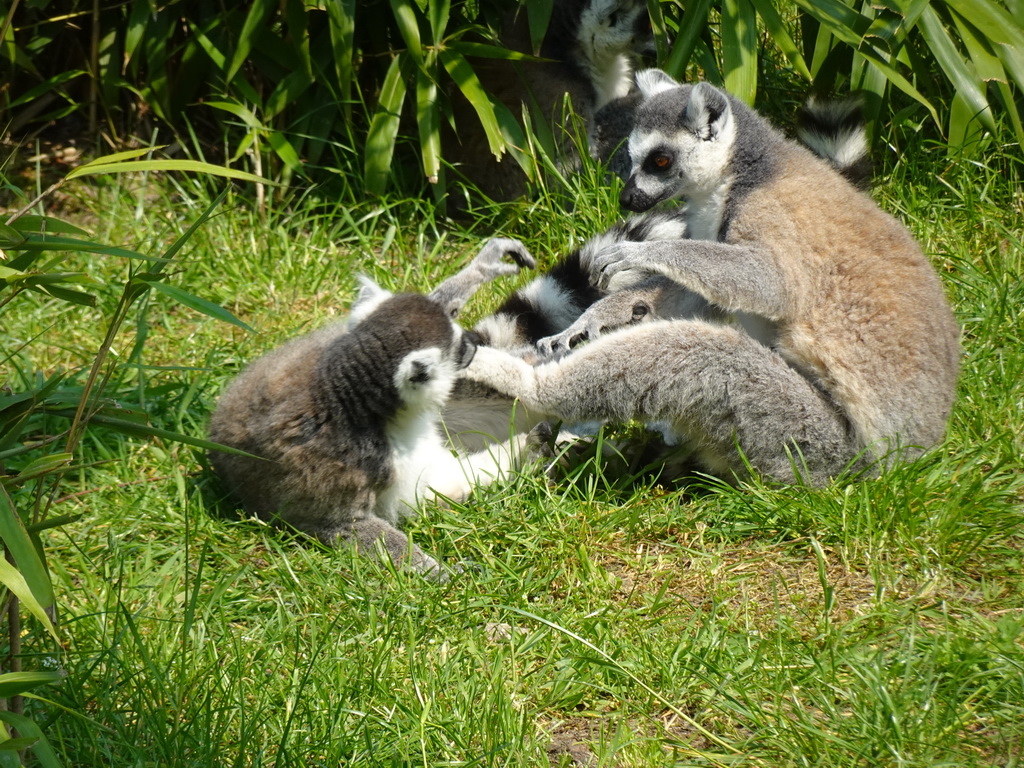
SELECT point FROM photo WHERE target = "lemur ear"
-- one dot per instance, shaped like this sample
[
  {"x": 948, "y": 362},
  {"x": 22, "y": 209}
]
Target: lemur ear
[
  {"x": 370, "y": 297},
  {"x": 708, "y": 111},
  {"x": 652, "y": 81}
]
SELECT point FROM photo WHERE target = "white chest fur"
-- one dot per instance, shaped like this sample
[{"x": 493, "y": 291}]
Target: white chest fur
[{"x": 417, "y": 457}]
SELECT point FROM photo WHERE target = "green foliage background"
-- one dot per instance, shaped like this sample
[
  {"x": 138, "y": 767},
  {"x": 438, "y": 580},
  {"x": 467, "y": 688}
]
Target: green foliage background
[
  {"x": 344, "y": 102},
  {"x": 334, "y": 87}
]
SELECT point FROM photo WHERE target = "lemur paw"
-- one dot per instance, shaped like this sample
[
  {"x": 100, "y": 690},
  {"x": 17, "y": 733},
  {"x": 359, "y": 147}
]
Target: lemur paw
[
  {"x": 493, "y": 257},
  {"x": 611, "y": 261}
]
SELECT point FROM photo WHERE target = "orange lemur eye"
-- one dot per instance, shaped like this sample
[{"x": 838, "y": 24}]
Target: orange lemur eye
[{"x": 662, "y": 161}]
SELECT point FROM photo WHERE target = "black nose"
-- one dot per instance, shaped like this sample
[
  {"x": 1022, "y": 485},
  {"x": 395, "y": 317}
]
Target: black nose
[
  {"x": 632, "y": 199},
  {"x": 626, "y": 199}
]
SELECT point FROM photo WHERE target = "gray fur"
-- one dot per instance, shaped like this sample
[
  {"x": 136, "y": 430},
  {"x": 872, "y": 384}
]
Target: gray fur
[
  {"x": 345, "y": 420},
  {"x": 843, "y": 343}
]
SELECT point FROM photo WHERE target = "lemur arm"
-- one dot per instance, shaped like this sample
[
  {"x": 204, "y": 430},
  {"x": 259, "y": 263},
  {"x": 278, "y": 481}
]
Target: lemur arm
[
  {"x": 511, "y": 376},
  {"x": 490, "y": 263},
  {"x": 738, "y": 278}
]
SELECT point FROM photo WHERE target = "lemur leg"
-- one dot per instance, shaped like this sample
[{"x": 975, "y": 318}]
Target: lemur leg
[
  {"x": 376, "y": 537},
  {"x": 487, "y": 265},
  {"x": 713, "y": 385}
]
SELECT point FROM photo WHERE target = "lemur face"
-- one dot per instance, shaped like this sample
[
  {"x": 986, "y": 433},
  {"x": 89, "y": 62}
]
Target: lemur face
[{"x": 681, "y": 143}]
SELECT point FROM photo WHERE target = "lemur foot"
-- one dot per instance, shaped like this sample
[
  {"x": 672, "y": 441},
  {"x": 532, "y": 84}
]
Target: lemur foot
[
  {"x": 609, "y": 314},
  {"x": 492, "y": 261}
]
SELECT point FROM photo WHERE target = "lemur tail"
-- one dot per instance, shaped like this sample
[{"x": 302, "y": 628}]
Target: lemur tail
[{"x": 834, "y": 130}]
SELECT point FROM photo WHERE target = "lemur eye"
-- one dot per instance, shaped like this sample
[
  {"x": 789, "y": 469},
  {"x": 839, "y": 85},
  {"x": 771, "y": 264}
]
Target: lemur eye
[{"x": 661, "y": 162}]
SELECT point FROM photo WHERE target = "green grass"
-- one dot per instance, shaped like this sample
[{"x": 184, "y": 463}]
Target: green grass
[{"x": 877, "y": 623}]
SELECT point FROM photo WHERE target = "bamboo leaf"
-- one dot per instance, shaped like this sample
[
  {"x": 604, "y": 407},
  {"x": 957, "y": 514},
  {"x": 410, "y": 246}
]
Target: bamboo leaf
[
  {"x": 136, "y": 28},
  {"x": 992, "y": 20},
  {"x": 658, "y": 28},
  {"x": 845, "y": 22},
  {"x": 428, "y": 116},
  {"x": 405, "y": 17},
  {"x": 240, "y": 111},
  {"x": 380, "y": 141},
  {"x": 43, "y": 243},
  {"x": 287, "y": 92},
  {"x": 191, "y": 166},
  {"x": 538, "y": 17},
  {"x": 969, "y": 87},
  {"x": 30, "y": 567},
  {"x": 68, "y": 295},
  {"x": 486, "y": 51},
  {"x": 341, "y": 20},
  {"x": 31, "y": 223},
  {"x": 118, "y": 157},
  {"x": 986, "y": 63},
  {"x": 216, "y": 56},
  {"x": 467, "y": 81},
  {"x": 284, "y": 149},
  {"x": 47, "y": 86},
  {"x": 693, "y": 23},
  {"x": 17, "y": 683},
  {"x": 41, "y": 748},
  {"x": 198, "y": 304},
  {"x": 962, "y": 131},
  {"x": 438, "y": 11},
  {"x": 42, "y": 466},
  {"x": 11, "y": 578},
  {"x": 780, "y": 35},
  {"x": 515, "y": 139},
  {"x": 255, "y": 22},
  {"x": 739, "y": 49},
  {"x": 895, "y": 78}
]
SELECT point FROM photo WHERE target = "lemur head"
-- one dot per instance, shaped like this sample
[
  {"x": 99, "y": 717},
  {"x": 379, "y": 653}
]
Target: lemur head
[
  {"x": 416, "y": 341},
  {"x": 615, "y": 27},
  {"x": 681, "y": 143}
]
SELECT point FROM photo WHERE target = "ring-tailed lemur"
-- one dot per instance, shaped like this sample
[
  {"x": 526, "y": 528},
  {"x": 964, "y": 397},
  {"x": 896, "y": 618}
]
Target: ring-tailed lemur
[
  {"x": 344, "y": 420},
  {"x": 552, "y": 302},
  {"x": 844, "y": 344},
  {"x": 590, "y": 49},
  {"x": 562, "y": 308}
]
